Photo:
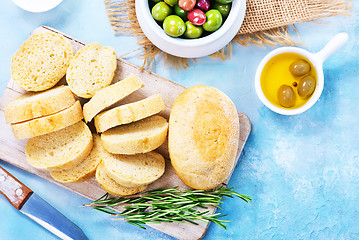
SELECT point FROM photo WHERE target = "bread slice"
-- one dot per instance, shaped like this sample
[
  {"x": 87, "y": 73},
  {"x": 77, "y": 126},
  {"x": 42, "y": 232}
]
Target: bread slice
[
  {"x": 91, "y": 70},
  {"x": 203, "y": 137},
  {"x": 129, "y": 113},
  {"x": 134, "y": 170},
  {"x": 48, "y": 124},
  {"x": 41, "y": 61},
  {"x": 138, "y": 137},
  {"x": 85, "y": 169},
  {"x": 63, "y": 149},
  {"x": 33, "y": 105},
  {"x": 112, "y": 187},
  {"x": 110, "y": 95}
]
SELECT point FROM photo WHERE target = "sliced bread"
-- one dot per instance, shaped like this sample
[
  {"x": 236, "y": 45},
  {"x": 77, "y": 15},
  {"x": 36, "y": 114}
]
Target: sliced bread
[
  {"x": 41, "y": 61},
  {"x": 134, "y": 170},
  {"x": 129, "y": 113},
  {"x": 92, "y": 69},
  {"x": 59, "y": 150},
  {"x": 203, "y": 137},
  {"x": 138, "y": 137},
  {"x": 33, "y": 105},
  {"x": 111, "y": 186},
  {"x": 110, "y": 95},
  {"x": 43, "y": 125},
  {"x": 86, "y": 168}
]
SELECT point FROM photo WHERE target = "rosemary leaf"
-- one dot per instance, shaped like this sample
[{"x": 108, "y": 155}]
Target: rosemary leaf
[{"x": 168, "y": 205}]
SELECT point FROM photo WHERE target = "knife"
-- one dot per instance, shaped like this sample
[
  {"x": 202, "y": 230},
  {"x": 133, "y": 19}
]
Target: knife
[{"x": 33, "y": 206}]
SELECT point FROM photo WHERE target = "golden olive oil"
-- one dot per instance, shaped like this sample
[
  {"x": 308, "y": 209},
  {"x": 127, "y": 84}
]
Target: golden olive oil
[{"x": 276, "y": 73}]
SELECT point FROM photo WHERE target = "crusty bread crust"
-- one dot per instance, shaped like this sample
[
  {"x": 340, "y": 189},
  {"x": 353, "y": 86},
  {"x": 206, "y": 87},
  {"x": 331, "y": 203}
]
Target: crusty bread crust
[
  {"x": 43, "y": 125},
  {"x": 85, "y": 169},
  {"x": 134, "y": 170},
  {"x": 112, "y": 187},
  {"x": 92, "y": 69},
  {"x": 110, "y": 95},
  {"x": 41, "y": 61},
  {"x": 63, "y": 149},
  {"x": 33, "y": 105},
  {"x": 203, "y": 136},
  {"x": 129, "y": 113},
  {"x": 138, "y": 137}
]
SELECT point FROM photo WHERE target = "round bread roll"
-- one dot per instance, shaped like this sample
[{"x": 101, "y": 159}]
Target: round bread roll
[
  {"x": 41, "y": 61},
  {"x": 203, "y": 137},
  {"x": 91, "y": 70}
]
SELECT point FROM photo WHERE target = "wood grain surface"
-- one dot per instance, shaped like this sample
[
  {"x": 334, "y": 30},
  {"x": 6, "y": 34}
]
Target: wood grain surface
[{"x": 13, "y": 150}]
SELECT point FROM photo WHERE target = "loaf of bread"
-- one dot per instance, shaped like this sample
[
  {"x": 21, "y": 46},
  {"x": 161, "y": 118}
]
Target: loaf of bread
[
  {"x": 138, "y": 137},
  {"x": 112, "y": 187},
  {"x": 63, "y": 149},
  {"x": 34, "y": 105},
  {"x": 85, "y": 169},
  {"x": 92, "y": 69},
  {"x": 134, "y": 170},
  {"x": 203, "y": 137},
  {"x": 41, "y": 61},
  {"x": 129, "y": 113},
  {"x": 110, "y": 95},
  {"x": 43, "y": 125}
]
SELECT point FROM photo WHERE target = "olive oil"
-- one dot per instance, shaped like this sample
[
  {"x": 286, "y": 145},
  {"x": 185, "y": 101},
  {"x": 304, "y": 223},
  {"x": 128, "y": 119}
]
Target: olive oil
[{"x": 276, "y": 73}]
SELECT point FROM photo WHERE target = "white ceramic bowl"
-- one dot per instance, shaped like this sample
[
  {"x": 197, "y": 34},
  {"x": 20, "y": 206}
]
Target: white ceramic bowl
[
  {"x": 37, "y": 5},
  {"x": 316, "y": 59},
  {"x": 190, "y": 48}
]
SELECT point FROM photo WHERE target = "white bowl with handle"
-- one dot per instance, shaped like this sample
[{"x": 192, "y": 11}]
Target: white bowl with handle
[
  {"x": 190, "y": 48},
  {"x": 316, "y": 59}
]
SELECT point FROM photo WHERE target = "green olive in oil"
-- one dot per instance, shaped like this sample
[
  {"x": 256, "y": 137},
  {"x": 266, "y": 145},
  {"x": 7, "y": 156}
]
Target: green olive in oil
[{"x": 288, "y": 80}]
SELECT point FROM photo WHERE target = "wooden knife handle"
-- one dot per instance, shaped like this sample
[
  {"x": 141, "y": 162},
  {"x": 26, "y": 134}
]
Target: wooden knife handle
[{"x": 15, "y": 192}]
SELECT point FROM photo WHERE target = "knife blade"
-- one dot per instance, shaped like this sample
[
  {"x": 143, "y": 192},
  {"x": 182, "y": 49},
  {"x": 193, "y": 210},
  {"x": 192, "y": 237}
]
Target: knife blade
[{"x": 33, "y": 206}]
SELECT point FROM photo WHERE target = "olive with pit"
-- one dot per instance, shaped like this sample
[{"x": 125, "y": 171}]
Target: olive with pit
[
  {"x": 299, "y": 68},
  {"x": 306, "y": 86},
  {"x": 160, "y": 11},
  {"x": 174, "y": 26},
  {"x": 286, "y": 97}
]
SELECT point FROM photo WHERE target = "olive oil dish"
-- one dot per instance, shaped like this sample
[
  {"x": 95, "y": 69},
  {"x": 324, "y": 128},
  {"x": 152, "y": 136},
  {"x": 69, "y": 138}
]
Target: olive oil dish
[{"x": 290, "y": 80}]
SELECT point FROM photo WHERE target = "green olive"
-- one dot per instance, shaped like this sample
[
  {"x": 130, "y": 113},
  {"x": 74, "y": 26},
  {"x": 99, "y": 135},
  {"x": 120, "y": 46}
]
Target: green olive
[
  {"x": 214, "y": 20},
  {"x": 171, "y": 2},
  {"x": 224, "y": 9},
  {"x": 306, "y": 86},
  {"x": 299, "y": 68},
  {"x": 224, "y": 1},
  {"x": 174, "y": 26},
  {"x": 286, "y": 97},
  {"x": 192, "y": 31},
  {"x": 160, "y": 11},
  {"x": 180, "y": 12}
]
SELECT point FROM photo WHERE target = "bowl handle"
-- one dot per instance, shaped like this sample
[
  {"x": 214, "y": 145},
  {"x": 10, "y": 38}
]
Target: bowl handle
[{"x": 332, "y": 46}]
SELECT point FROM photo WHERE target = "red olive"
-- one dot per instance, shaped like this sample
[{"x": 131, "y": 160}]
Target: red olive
[
  {"x": 203, "y": 5},
  {"x": 196, "y": 17},
  {"x": 187, "y": 5}
]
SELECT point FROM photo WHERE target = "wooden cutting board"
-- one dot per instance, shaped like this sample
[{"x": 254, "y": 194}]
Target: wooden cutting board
[{"x": 13, "y": 150}]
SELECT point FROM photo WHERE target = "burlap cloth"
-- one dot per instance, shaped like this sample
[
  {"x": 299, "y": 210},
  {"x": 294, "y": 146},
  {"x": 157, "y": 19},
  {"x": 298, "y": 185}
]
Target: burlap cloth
[{"x": 266, "y": 22}]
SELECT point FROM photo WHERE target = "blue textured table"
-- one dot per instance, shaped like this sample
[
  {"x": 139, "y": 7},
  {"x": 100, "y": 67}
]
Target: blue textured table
[{"x": 302, "y": 171}]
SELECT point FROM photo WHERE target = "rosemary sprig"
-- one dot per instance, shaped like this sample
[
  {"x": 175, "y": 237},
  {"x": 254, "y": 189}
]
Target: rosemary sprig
[{"x": 168, "y": 205}]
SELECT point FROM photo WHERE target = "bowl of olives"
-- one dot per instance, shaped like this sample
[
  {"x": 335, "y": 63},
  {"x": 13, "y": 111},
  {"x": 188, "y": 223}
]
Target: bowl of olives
[
  {"x": 290, "y": 80},
  {"x": 190, "y": 28}
]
